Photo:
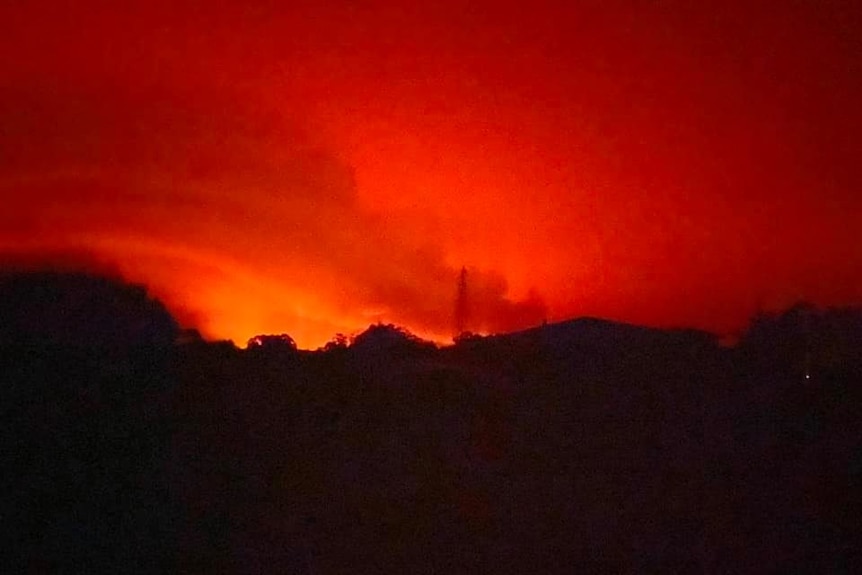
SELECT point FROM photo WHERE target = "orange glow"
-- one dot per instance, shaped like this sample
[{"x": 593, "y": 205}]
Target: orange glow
[{"x": 315, "y": 169}]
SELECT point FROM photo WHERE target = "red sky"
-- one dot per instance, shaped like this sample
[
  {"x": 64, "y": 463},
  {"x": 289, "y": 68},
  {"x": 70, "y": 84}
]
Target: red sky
[{"x": 313, "y": 169}]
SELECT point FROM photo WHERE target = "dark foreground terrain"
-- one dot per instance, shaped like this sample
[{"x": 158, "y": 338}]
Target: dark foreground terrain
[{"x": 579, "y": 447}]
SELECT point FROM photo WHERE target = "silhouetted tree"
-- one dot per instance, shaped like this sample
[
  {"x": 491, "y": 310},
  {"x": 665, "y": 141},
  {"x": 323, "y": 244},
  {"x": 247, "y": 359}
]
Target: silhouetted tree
[
  {"x": 388, "y": 338},
  {"x": 272, "y": 344},
  {"x": 339, "y": 342}
]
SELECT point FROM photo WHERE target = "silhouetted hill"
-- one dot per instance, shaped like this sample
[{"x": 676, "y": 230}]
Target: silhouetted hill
[
  {"x": 582, "y": 446},
  {"x": 80, "y": 310},
  {"x": 598, "y": 332},
  {"x": 597, "y": 336},
  {"x": 84, "y": 372}
]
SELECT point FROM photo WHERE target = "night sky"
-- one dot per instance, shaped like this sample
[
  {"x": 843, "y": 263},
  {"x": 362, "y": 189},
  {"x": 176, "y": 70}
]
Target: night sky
[{"x": 269, "y": 167}]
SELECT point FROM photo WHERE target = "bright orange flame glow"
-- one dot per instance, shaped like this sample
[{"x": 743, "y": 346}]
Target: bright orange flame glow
[{"x": 316, "y": 169}]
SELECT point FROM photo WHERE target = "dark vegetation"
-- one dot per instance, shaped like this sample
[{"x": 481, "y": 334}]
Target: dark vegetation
[{"x": 586, "y": 446}]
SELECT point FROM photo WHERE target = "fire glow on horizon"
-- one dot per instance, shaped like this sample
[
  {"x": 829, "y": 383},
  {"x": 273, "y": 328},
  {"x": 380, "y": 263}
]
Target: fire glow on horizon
[{"x": 314, "y": 169}]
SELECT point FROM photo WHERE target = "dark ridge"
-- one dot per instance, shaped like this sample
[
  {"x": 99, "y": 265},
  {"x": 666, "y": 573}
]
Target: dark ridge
[
  {"x": 80, "y": 310},
  {"x": 583, "y": 446}
]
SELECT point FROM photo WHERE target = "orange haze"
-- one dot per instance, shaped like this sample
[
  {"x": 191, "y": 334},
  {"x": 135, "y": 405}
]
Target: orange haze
[{"x": 311, "y": 170}]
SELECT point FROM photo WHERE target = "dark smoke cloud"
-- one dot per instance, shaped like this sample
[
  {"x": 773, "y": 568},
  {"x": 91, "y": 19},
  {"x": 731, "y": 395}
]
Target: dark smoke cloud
[{"x": 230, "y": 182}]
